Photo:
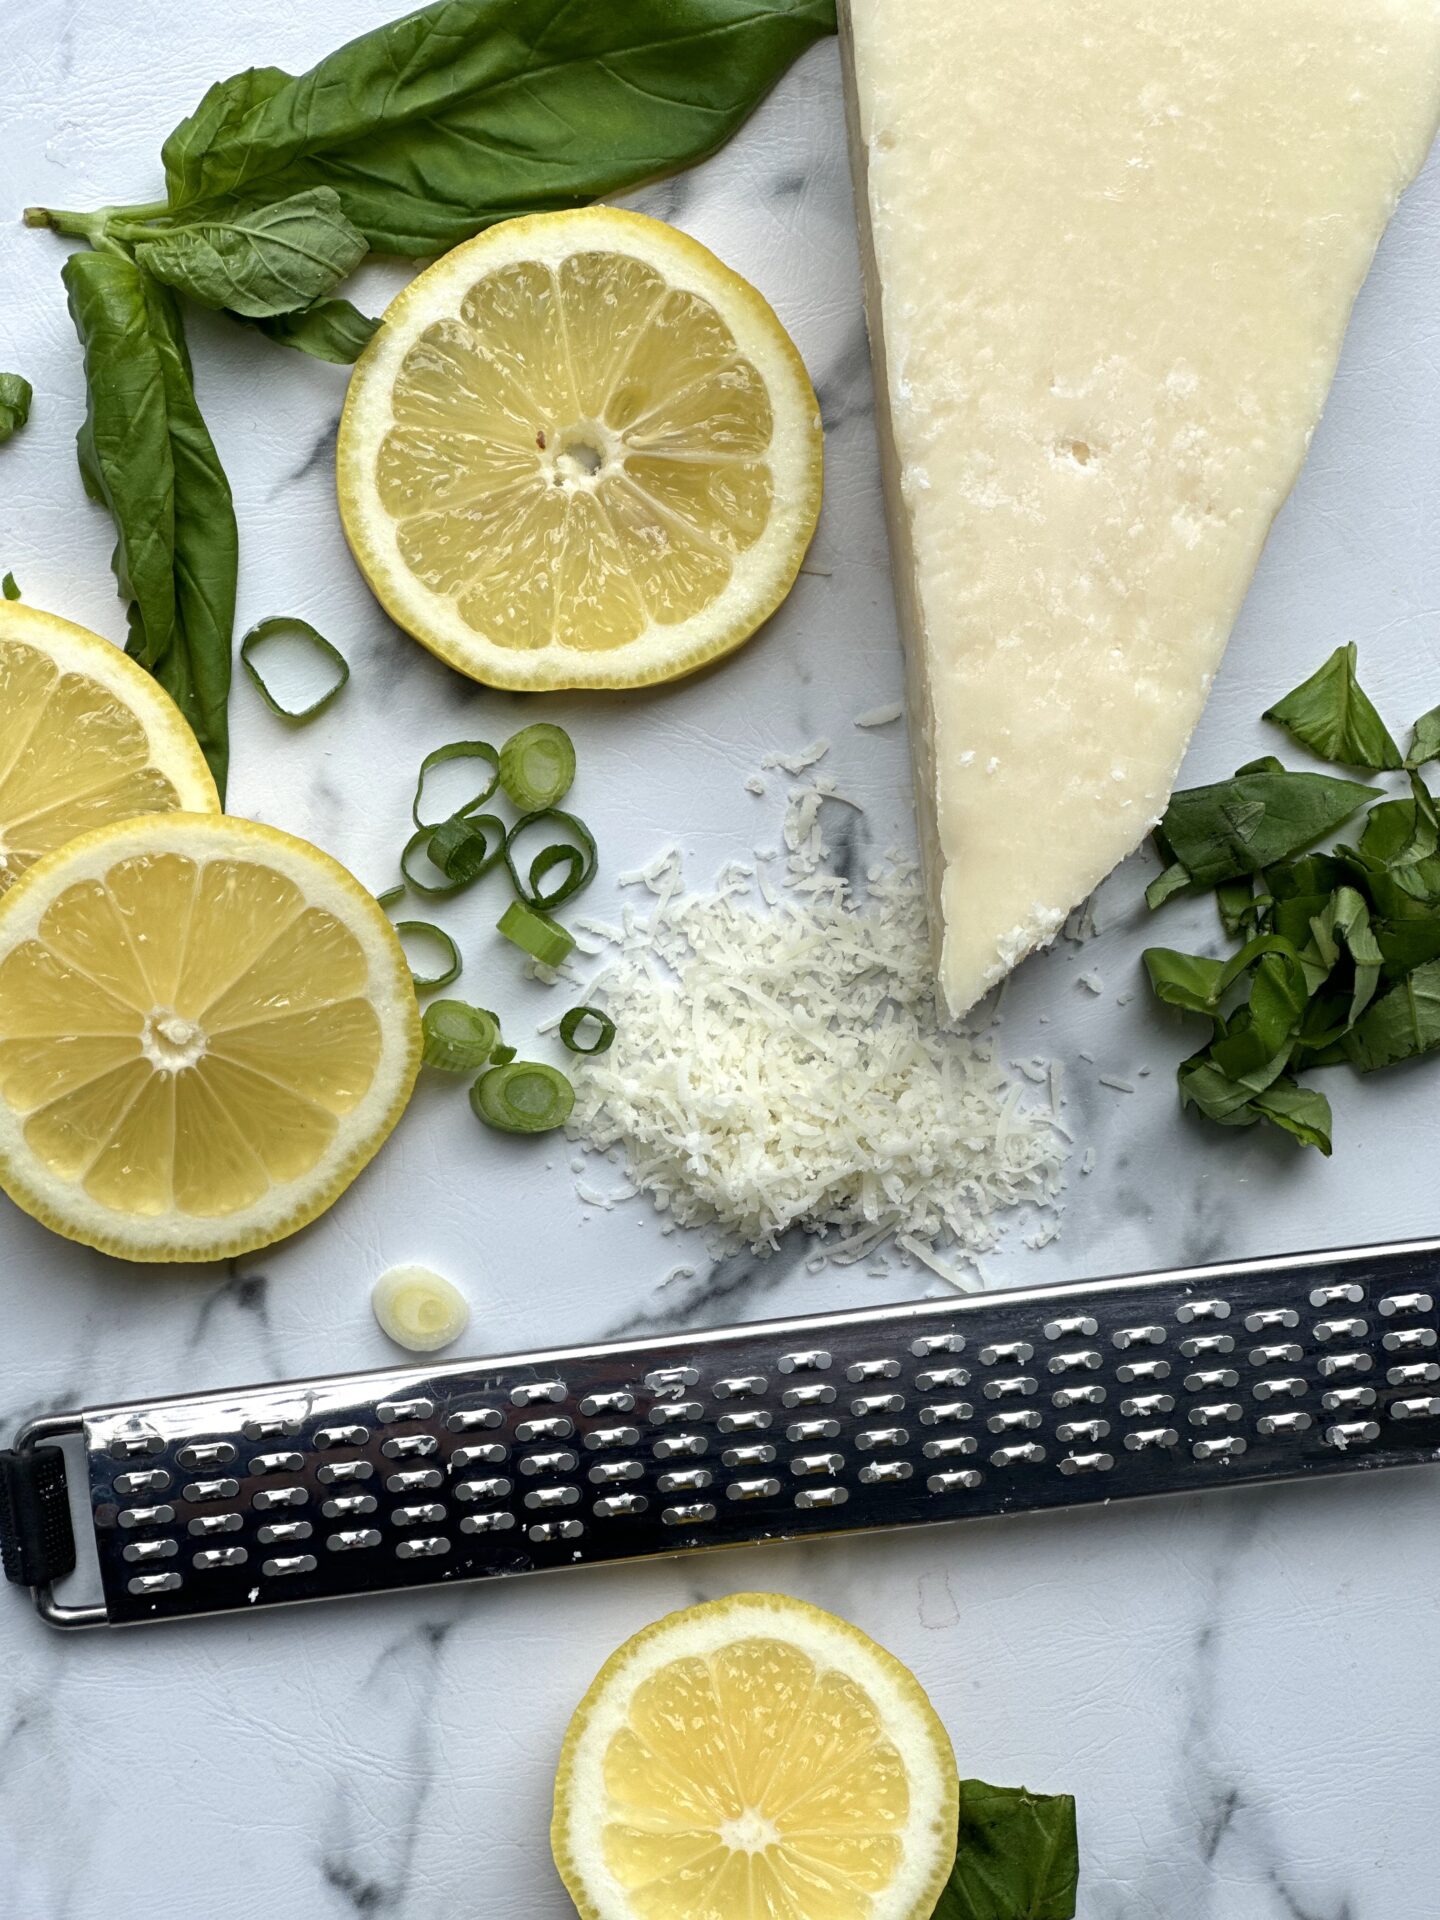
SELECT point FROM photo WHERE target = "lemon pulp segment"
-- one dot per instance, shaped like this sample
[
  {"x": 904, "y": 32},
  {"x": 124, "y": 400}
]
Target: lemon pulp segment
[
  {"x": 562, "y": 467},
  {"x": 198, "y": 1042},
  {"x": 86, "y": 737},
  {"x": 796, "y": 1774}
]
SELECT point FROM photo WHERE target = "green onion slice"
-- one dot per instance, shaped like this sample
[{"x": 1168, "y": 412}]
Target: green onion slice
[
  {"x": 391, "y": 895},
  {"x": 457, "y": 750},
  {"x": 577, "y": 1016},
  {"x": 458, "y": 1038},
  {"x": 9, "y": 588},
  {"x": 467, "y": 845},
  {"x": 288, "y": 626},
  {"x": 422, "y": 931},
  {"x": 537, "y": 766},
  {"x": 524, "y": 1097},
  {"x": 461, "y": 848},
  {"x": 575, "y": 854},
  {"x": 535, "y": 934}
]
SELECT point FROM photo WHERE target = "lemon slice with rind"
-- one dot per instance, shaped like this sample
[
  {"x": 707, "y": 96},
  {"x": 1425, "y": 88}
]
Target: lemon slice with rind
[
  {"x": 86, "y": 737},
  {"x": 207, "y": 1028},
  {"x": 755, "y": 1759},
  {"x": 580, "y": 452}
]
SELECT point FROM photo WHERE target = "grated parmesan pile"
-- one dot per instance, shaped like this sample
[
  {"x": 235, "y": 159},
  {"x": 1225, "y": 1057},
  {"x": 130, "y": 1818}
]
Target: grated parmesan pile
[{"x": 779, "y": 1063}]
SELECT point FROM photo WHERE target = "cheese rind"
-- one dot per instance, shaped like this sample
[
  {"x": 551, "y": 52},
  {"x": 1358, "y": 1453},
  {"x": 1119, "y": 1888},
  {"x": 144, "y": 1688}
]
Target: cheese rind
[{"x": 1112, "y": 247}]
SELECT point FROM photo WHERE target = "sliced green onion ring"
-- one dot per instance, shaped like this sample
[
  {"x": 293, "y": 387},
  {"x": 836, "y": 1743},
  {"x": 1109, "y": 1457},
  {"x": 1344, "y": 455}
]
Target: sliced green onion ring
[
  {"x": 537, "y": 766},
  {"x": 570, "y": 1030},
  {"x": 467, "y": 845},
  {"x": 524, "y": 1097},
  {"x": 391, "y": 895},
  {"x": 458, "y": 1038},
  {"x": 423, "y": 930},
  {"x": 461, "y": 848},
  {"x": 289, "y": 624},
  {"x": 457, "y": 750},
  {"x": 576, "y": 855},
  {"x": 536, "y": 934}
]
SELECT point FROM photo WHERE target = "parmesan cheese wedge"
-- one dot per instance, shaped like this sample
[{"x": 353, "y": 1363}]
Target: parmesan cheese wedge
[{"x": 1112, "y": 246}]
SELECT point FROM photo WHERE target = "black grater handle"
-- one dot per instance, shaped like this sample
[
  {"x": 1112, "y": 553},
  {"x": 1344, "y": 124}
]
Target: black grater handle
[{"x": 37, "y": 1535}]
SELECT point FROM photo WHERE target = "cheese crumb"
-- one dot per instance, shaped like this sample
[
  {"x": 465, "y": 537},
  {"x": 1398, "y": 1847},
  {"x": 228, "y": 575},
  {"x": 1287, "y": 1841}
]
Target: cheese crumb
[
  {"x": 786, "y": 1068},
  {"x": 879, "y": 716}
]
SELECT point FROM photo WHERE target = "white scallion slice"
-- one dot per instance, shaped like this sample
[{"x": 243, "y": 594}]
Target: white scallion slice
[{"x": 419, "y": 1310}]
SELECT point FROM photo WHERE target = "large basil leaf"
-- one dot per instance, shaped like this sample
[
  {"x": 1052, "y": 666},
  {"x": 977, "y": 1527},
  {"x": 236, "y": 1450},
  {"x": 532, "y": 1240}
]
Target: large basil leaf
[
  {"x": 1332, "y": 715},
  {"x": 1018, "y": 1857},
  {"x": 1241, "y": 825},
  {"x": 470, "y": 111},
  {"x": 1424, "y": 739},
  {"x": 331, "y": 330},
  {"x": 146, "y": 454},
  {"x": 260, "y": 260},
  {"x": 16, "y": 393}
]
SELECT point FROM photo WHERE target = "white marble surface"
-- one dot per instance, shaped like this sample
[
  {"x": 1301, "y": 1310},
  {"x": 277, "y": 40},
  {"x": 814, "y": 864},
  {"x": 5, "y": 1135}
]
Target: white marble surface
[{"x": 1242, "y": 1690}]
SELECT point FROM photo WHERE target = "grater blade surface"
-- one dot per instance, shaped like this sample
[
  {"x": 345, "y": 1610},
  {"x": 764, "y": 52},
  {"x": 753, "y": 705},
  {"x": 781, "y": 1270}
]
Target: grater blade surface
[{"x": 930, "y": 1411}]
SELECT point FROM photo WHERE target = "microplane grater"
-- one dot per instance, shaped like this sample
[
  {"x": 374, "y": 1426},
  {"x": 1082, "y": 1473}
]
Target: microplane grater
[{"x": 989, "y": 1404}]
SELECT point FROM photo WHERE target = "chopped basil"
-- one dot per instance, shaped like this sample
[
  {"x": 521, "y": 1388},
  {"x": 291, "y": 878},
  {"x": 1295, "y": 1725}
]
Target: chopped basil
[
  {"x": 1340, "y": 961},
  {"x": 1331, "y": 714}
]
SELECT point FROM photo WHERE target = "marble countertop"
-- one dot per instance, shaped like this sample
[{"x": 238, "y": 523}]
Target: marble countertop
[{"x": 1241, "y": 1689}]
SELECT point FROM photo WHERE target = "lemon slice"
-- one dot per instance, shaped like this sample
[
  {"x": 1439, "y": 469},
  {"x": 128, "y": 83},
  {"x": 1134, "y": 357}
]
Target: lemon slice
[
  {"x": 86, "y": 737},
  {"x": 755, "y": 1759},
  {"x": 580, "y": 452},
  {"x": 206, "y": 1030}
]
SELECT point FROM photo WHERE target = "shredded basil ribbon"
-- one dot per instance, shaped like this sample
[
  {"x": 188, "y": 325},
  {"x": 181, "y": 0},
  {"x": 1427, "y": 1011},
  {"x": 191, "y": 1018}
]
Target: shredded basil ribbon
[
  {"x": 461, "y": 848},
  {"x": 427, "y": 930},
  {"x": 537, "y": 766},
  {"x": 457, "y": 750},
  {"x": 535, "y": 934},
  {"x": 578, "y": 861},
  {"x": 458, "y": 1038},
  {"x": 523, "y": 1097},
  {"x": 284, "y": 623},
  {"x": 575, "y": 1019}
]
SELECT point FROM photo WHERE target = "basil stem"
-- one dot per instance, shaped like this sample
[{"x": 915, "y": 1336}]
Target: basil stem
[{"x": 146, "y": 454}]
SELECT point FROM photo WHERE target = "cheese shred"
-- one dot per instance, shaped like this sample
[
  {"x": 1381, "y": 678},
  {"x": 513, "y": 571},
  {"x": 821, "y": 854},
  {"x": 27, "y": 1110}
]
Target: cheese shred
[{"x": 779, "y": 1063}]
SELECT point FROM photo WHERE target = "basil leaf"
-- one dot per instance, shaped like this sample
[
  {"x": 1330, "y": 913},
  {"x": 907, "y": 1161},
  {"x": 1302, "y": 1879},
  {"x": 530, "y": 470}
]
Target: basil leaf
[
  {"x": 1331, "y": 714},
  {"x": 1018, "y": 1856},
  {"x": 1402, "y": 833},
  {"x": 1187, "y": 980},
  {"x": 1402, "y": 1024},
  {"x": 469, "y": 111},
  {"x": 1241, "y": 825},
  {"x": 214, "y": 126},
  {"x": 145, "y": 453},
  {"x": 1424, "y": 739},
  {"x": 332, "y": 330},
  {"x": 260, "y": 260},
  {"x": 1345, "y": 923},
  {"x": 16, "y": 393},
  {"x": 1407, "y": 944},
  {"x": 1238, "y": 908},
  {"x": 1298, "y": 1111},
  {"x": 1173, "y": 880}
]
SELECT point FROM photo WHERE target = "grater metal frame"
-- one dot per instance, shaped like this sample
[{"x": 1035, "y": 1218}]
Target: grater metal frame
[{"x": 923, "y": 1412}]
